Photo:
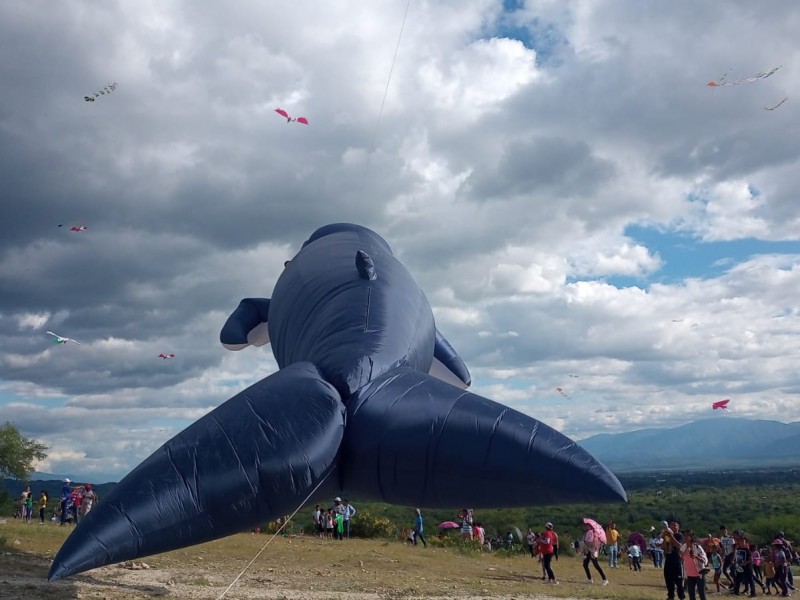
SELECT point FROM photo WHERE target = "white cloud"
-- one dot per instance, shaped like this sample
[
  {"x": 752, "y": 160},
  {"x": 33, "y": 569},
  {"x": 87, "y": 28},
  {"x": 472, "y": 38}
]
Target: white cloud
[{"x": 504, "y": 174}]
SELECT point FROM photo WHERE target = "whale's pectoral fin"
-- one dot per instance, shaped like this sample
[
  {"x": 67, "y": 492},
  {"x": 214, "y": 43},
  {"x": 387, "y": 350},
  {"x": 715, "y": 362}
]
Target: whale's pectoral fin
[
  {"x": 447, "y": 364},
  {"x": 416, "y": 441},
  {"x": 247, "y": 325},
  {"x": 253, "y": 459}
]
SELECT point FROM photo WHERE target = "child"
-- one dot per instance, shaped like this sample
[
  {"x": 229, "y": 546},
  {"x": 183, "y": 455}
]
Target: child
[
  {"x": 715, "y": 560},
  {"x": 635, "y": 554},
  {"x": 769, "y": 574}
]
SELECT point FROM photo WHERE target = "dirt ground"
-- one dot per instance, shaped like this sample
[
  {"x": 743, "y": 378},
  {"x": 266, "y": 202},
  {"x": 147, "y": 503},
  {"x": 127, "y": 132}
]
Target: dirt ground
[{"x": 306, "y": 568}]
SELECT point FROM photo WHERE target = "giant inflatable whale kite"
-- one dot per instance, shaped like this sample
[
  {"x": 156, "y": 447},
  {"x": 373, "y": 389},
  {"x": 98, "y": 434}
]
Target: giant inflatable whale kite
[{"x": 369, "y": 399}]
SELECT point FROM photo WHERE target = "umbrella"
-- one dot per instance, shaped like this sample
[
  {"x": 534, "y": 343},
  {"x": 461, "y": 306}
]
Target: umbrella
[
  {"x": 599, "y": 532},
  {"x": 637, "y": 538},
  {"x": 449, "y": 525}
]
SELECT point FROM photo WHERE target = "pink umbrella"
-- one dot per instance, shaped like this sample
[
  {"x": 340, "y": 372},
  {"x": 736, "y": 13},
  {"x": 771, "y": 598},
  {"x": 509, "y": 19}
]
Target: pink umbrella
[
  {"x": 449, "y": 525},
  {"x": 599, "y": 532}
]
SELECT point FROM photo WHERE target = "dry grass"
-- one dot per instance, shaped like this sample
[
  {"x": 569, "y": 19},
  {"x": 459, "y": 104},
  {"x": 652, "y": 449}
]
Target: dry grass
[{"x": 305, "y": 567}]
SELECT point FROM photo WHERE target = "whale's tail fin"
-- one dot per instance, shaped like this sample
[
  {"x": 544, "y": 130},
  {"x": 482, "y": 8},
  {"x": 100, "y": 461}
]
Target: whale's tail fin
[
  {"x": 228, "y": 472},
  {"x": 417, "y": 441}
]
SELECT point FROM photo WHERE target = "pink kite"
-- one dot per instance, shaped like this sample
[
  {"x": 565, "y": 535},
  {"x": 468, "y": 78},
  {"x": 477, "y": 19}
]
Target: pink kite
[
  {"x": 79, "y": 228},
  {"x": 289, "y": 119},
  {"x": 165, "y": 356},
  {"x": 721, "y": 404}
]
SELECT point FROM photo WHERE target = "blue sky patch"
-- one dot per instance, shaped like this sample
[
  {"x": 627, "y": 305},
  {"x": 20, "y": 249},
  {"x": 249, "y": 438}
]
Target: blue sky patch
[{"x": 686, "y": 256}]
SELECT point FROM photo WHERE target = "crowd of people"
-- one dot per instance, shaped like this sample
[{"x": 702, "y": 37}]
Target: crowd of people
[
  {"x": 691, "y": 563},
  {"x": 75, "y": 502},
  {"x": 334, "y": 522},
  {"x": 734, "y": 564}
]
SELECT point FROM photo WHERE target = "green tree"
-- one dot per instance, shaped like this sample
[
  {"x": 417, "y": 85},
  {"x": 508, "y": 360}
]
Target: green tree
[{"x": 18, "y": 454}]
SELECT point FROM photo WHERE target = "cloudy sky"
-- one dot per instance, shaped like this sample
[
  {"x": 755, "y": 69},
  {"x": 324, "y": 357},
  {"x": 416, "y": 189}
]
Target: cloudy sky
[{"x": 581, "y": 209}]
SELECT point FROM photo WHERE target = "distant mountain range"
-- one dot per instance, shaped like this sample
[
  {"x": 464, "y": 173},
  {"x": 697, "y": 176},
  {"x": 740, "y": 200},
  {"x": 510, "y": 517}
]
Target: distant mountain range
[
  {"x": 710, "y": 444},
  {"x": 717, "y": 443}
]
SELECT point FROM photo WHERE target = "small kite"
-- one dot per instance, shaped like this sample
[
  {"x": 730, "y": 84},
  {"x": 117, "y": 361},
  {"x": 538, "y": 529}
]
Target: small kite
[
  {"x": 165, "y": 356},
  {"x": 78, "y": 228},
  {"x": 722, "y": 81},
  {"x": 563, "y": 393},
  {"x": 785, "y": 98},
  {"x": 721, "y": 404},
  {"x": 289, "y": 119},
  {"x": 106, "y": 90},
  {"x": 60, "y": 339}
]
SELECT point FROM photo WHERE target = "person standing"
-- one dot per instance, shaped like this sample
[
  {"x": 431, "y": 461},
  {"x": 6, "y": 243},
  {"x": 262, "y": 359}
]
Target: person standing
[
  {"x": 657, "y": 548},
  {"x": 348, "y": 512},
  {"x": 591, "y": 550},
  {"x": 612, "y": 544},
  {"x": 694, "y": 561},
  {"x": 90, "y": 497},
  {"x": 29, "y": 506},
  {"x": 66, "y": 493},
  {"x": 316, "y": 517},
  {"x": 42, "y": 506},
  {"x": 465, "y": 519},
  {"x": 546, "y": 546},
  {"x": 530, "y": 539},
  {"x": 419, "y": 529},
  {"x": 673, "y": 562}
]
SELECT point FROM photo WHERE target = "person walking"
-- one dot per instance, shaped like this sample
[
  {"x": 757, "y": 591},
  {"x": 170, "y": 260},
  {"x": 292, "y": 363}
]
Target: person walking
[
  {"x": 547, "y": 544},
  {"x": 591, "y": 550},
  {"x": 694, "y": 561},
  {"x": 419, "y": 529}
]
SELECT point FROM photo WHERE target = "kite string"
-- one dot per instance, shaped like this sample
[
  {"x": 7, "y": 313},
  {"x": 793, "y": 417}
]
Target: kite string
[
  {"x": 247, "y": 566},
  {"x": 383, "y": 101}
]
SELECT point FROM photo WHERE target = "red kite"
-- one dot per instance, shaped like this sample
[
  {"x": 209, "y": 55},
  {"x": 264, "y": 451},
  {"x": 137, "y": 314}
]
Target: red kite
[
  {"x": 721, "y": 404},
  {"x": 165, "y": 356},
  {"x": 289, "y": 119}
]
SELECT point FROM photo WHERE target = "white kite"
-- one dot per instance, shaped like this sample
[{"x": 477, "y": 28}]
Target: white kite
[
  {"x": 60, "y": 339},
  {"x": 722, "y": 81}
]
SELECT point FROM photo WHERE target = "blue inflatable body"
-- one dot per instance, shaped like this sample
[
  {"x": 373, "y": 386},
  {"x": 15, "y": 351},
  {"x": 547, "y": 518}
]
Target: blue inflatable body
[{"x": 369, "y": 399}]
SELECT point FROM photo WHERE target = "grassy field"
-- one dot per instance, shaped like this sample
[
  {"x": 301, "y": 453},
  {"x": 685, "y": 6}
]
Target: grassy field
[{"x": 304, "y": 567}]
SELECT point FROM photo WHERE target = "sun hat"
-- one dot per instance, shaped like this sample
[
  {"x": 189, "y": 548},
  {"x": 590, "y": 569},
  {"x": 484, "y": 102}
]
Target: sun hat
[
  {"x": 67, "y": 480},
  {"x": 337, "y": 499},
  {"x": 548, "y": 525}
]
